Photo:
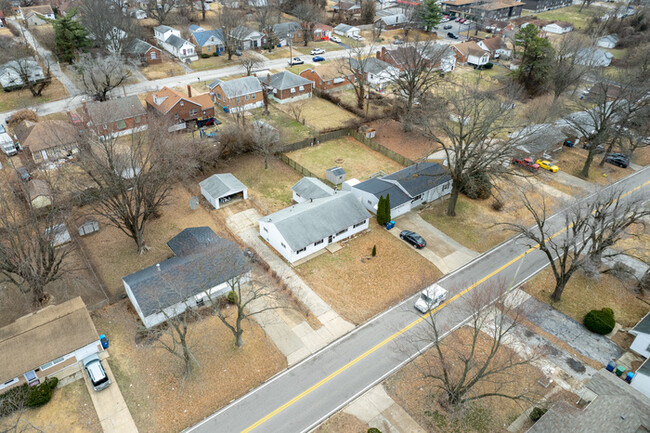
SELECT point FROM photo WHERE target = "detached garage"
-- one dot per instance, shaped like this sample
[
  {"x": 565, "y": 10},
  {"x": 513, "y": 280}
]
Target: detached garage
[{"x": 219, "y": 189}]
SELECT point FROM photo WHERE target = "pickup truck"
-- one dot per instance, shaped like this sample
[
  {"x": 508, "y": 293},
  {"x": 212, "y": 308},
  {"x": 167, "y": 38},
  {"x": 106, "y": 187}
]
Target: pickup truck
[{"x": 527, "y": 163}]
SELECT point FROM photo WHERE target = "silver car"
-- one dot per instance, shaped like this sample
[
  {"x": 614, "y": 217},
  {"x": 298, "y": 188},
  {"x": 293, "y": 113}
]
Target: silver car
[{"x": 96, "y": 373}]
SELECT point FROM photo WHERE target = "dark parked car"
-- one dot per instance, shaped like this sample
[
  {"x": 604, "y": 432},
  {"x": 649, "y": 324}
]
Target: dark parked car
[
  {"x": 24, "y": 174},
  {"x": 447, "y": 27},
  {"x": 618, "y": 159},
  {"x": 452, "y": 35},
  {"x": 413, "y": 238}
]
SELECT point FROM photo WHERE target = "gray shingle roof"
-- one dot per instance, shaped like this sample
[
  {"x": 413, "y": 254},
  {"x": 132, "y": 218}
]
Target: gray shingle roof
[
  {"x": 175, "y": 41},
  {"x": 219, "y": 185},
  {"x": 282, "y": 30},
  {"x": 372, "y": 65},
  {"x": 344, "y": 27},
  {"x": 391, "y": 20},
  {"x": 138, "y": 46},
  {"x": 540, "y": 138},
  {"x": 162, "y": 29},
  {"x": 310, "y": 187},
  {"x": 380, "y": 188},
  {"x": 239, "y": 87},
  {"x": 643, "y": 326},
  {"x": 286, "y": 80},
  {"x": 305, "y": 223},
  {"x": 203, "y": 36},
  {"x": 115, "y": 109},
  {"x": 206, "y": 261},
  {"x": 336, "y": 171}
]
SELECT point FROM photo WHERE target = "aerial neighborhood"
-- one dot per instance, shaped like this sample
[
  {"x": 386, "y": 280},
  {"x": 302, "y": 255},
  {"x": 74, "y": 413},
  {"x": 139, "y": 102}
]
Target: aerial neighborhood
[{"x": 362, "y": 216}]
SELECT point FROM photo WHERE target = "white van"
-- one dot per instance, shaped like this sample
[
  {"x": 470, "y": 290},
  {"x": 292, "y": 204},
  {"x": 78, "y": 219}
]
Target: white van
[
  {"x": 430, "y": 298},
  {"x": 6, "y": 142}
]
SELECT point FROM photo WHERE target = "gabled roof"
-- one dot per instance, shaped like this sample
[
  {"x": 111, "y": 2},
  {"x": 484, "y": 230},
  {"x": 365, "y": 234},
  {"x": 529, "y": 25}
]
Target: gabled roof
[
  {"x": 40, "y": 10},
  {"x": 311, "y": 187},
  {"x": 243, "y": 32},
  {"x": 203, "y": 260},
  {"x": 305, "y": 223},
  {"x": 391, "y": 20},
  {"x": 609, "y": 38},
  {"x": 115, "y": 109},
  {"x": 194, "y": 28},
  {"x": 138, "y": 46},
  {"x": 219, "y": 185},
  {"x": 163, "y": 29},
  {"x": 328, "y": 71},
  {"x": 282, "y": 30},
  {"x": 562, "y": 24},
  {"x": 238, "y": 87},
  {"x": 43, "y": 336},
  {"x": 45, "y": 134},
  {"x": 494, "y": 44},
  {"x": 470, "y": 47},
  {"x": 203, "y": 36},
  {"x": 380, "y": 188},
  {"x": 165, "y": 99},
  {"x": 643, "y": 326},
  {"x": 38, "y": 188},
  {"x": 344, "y": 27},
  {"x": 372, "y": 65},
  {"x": 177, "y": 42},
  {"x": 286, "y": 80}
]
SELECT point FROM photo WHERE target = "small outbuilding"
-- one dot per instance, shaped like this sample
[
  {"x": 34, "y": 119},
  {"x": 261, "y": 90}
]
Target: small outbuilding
[
  {"x": 309, "y": 188},
  {"x": 336, "y": 175},
  {"x": 40, "y": 195},
  {"x": 221, "y": 188}
]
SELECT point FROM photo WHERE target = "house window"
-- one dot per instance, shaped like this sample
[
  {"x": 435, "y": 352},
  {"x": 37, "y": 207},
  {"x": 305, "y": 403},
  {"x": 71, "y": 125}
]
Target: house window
[
  {"x": 283, "y": 245},
  {"x": 219, "y": 96},
  {"x": 105, "y": 126},
  {"x": 253, "y": 96},
  {"x": 359, "y": 224},
  {"x": 247, "y": 97},
  {"x": 9, "y": 382},
  {"x": 52, "y": 363},
  {"x": 193, "y": 112},
  {"x": 153, "y": 55},
  {"x": 416, "y": 198},
  {"x": 176, "y": 116},
  {"x": 266, "y": 230},
  {"x": 341, "y": 232},
  {"x": 301, "y": 250},
  {"x": 182, "y": 103},
  {"x": 301, "y": 88},
  {"x": 238, "y": 99},
  {"x": 137, "y": 119},
  {"x": 446, "y": 186},
  {"x": 121, "y": 124},
  {"x": 318, "y": 242},
  {"x": 293, "y": 90}
]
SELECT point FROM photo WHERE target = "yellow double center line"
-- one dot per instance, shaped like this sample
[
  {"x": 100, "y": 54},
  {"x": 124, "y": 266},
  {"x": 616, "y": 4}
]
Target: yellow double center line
[{"x": 403, "y": 330}]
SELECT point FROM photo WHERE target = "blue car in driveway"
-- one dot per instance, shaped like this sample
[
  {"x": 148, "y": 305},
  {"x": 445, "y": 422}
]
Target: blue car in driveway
[{"x": 317, "y": 59}]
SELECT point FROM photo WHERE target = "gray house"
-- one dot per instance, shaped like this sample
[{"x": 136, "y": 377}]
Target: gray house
[
  {"x": 289, "y": 31},
  {"x": 594, "y": 57},
  {"x": 201, "y": 269},
  {"x": 222, "y": 188},
  {"x": 10, "y": 73},
  {"x": 415, "y": 185},
  {"x": 309, "y": 188}
]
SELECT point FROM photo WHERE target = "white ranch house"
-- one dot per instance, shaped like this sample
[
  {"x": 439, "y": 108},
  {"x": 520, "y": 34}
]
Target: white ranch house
[
  {"x": 309, "y": 188},
  {"x": 347, "y": 30},
  {"x": 170, "y": 40}
]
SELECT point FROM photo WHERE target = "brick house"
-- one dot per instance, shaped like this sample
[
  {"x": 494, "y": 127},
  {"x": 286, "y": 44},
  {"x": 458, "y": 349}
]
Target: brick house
[
  {"x": 322, "y": 32},
  {"x": 328, "y": 78},
  {"x": 288, "y": 87},
  {"x": 181, "y": 108},
  {"x": 116, "y": 117},
  {"x": 47, "y": 140},
  {"x": 471, "y": 53},
  {"x": 144, "y": 52},
  {"x": 237, "y": 95},
  {"x": 441, "y": 57}
]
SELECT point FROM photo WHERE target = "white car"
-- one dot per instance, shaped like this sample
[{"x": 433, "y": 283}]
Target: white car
[
  {"x": 296, "y": 61},
  {"x": 96, "y": 373},
  {"x": 356, "y": 37},
  {"x": 316, "y": 51},
  {"x": 430, "y": 298},
  {"x": 335, "y": 39}
]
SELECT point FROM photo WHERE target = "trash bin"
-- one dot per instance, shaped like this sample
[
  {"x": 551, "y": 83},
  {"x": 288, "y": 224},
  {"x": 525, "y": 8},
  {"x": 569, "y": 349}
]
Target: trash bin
[
  {"x": 629, "y": 377},
  {"x": 104, "y": 340},
  {"x": 390, "y": 225},
  {"x": 620, "y": 370},
  {"x": 611, "y": 366}
]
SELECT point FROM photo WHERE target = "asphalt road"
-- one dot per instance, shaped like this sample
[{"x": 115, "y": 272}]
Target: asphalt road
[{"x": 303, "y": 396}]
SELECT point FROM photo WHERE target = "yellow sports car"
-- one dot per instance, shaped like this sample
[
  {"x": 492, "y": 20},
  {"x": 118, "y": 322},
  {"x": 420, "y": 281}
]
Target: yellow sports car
[{"x": 546, "y": 165}]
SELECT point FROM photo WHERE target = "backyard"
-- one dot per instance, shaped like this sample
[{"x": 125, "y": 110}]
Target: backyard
[
  {"x": 363, "y": 285},
  {"x": 390, "y": 133},
  {"x": 580, "y": 19},
  {"x": 572, "y": 160},
  {"x": 290, "y": 129},
  {"x": 321, "y": 114},
  {"x": 358, "y": 160}
]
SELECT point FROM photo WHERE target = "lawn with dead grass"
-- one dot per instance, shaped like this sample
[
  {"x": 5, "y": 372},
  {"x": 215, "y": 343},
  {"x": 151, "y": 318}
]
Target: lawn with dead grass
[
  {"x": 573, "y": 14},
  {"x": 151, "y": 378},
  {"x": 18, "y": 99},
  {"x": 290, "y": 129},
  {"x": 342, "y": 422},
  {"x": 390, "y": 133},
  {"x": 572, "y": 161},
  {"x": 321, "y": 114},
  {"x": 359, "y": 286},
  {"x": 168, "y": 68},
  {"x": 583, "y": 294},
  {"x": 491, "y": 414},
  {"x": 216, "y": 62},
  {"x": 357, "y": 159},
  {"x": 70, "y": 410}
]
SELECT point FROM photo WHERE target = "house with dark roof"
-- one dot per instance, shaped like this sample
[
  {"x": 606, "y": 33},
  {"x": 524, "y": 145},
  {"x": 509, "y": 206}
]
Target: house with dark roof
[
  {"x": 540, "y": 140},
  {"x": 287, "y": 87},
  {"x": 486, "y": 9},
  {"x": 347, "y": 8},
  {"x": 347, "y": 30},
  {"x": 202, "y": 269},
  {"x": 116, "y": 117},
  {"x": 306, "y": 228},
  {"x": 612, "y": 406},
  {"x": 391, "y": 22},
  {"x": 309, "y": 188},
  {"x": 207, "y": 41},
  {"x": 170, "y": 40},
  {"x": 222, "y": 188},
  {"x": 237, "y": 95},
  {"x": 412, "y": 186},
  {"x": 288, "y": 31},
  {"x": 48, "y": 140},
  {"x": 181, "y": 108},
  {"x": 545, "y": 5},
  {"x": 49, "y": 342},
  {"x": 144, "y": 52},
  {"x": 376, "y": 72}
]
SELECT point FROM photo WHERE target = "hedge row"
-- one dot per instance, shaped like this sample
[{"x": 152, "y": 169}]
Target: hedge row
[{"x": 27, "y": 396}]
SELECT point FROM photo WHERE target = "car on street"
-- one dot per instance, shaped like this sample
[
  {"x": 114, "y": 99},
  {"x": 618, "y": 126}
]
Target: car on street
[
  {"x": 447, "y": 27},
  {"x": 23, "y": 174},
  {"x": 317, "y": 51},
  {"x": 452, "y": 35},
  {"x": 318, "y": 59},
  {"x": 398, "y": 42},
  {"x": 335, "y": 39},
  {"x": 296, "y": 61},
  {"x": 546, "y": 165},
  {"x": 356, "y": 37},
  {"x": 96, "y": 373},
  {"x": 458, "y": 19},
  {"x": 430, "y": 298},
  {"x": 462, "y": 20},
  {"x": 413, "y": 238},
  {"x": 526, "y": 163},
  {"x": 618, "y": 159}
]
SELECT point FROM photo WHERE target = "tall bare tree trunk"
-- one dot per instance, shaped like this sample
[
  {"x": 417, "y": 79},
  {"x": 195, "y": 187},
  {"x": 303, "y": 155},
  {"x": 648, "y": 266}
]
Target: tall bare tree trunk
[{"x": 453, "y": 199}]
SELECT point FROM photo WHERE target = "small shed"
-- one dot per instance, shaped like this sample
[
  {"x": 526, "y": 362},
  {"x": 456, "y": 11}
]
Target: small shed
[
  {"x": 221, "y": 188},
  {"x": 39, "y": 194},
  {"x": 367, "y": 131},
  {"x": 336, "y": 175},
  {"x": 60, "y": 234},
  {"x": 87, "y": 225}
]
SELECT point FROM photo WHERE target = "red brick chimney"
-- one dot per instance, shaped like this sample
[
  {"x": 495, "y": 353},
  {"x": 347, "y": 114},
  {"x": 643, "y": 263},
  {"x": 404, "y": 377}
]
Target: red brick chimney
[{"x": 189, "y": 91}]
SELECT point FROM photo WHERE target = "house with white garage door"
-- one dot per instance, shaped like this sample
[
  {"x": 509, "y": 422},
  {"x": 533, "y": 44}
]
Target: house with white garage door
[
  {"x": 49, "y": 342},
  {"x": 420, "y": 183},
  {"x": 306, "y": 228},
  {"x": 219, "y": 189},
  {"x": 347, "y": 30}
]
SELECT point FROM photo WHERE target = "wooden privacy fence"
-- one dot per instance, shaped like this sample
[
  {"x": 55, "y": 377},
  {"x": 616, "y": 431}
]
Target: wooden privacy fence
[
  {"x": 382, "y": 149},
  {"x": 302, "y": 170}
]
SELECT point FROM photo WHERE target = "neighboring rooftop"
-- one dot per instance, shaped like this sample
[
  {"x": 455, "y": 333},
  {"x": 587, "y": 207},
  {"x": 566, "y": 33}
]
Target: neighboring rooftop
[
  {"x": 312, "y": 188},
  {"x": 115, "y": 109},
  {"x": 643, "y": 326},
  {"x": 238, "y": 87},
  {"x": 286, "y": 80},
  {"x": 219, "y": 185},
  {"x": 45, "y": 134}
]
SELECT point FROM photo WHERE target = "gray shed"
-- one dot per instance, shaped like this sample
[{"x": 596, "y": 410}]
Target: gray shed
[
  {"x": 221, "y": 188},
  {"x": 336, "y": 175}
]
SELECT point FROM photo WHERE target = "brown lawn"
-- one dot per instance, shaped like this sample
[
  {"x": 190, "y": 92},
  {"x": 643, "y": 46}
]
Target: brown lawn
[
  {"x": 168, "y": 68},
  {"x": 151, "y": 378},
  {"x": 342, "y": 422},
  {"x": 358, "y": 286},
  {"x": 389, "y": 133},
  {"x": 321, "y": 114},
  {"x": 357, "y": 159},
  {"x": 18, "y": 99},
  {"x": 572, "y": 161}
]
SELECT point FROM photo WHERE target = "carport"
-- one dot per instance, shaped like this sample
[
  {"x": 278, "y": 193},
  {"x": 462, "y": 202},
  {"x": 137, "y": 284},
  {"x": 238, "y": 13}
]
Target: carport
[{"x": 223, "y": 188}]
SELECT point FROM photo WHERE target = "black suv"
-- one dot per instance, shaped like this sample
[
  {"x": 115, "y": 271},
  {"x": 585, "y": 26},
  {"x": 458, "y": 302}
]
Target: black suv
[
  {"x": 618, "y": 159},
  {"x": 413, "y": 238},
  {"x": 452, "y": 35}
]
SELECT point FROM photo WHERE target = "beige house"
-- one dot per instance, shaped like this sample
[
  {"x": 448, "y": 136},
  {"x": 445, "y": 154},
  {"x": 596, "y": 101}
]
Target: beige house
[
  {"x": 49, "y": 342},
  {"x": 48, "y": 140}
]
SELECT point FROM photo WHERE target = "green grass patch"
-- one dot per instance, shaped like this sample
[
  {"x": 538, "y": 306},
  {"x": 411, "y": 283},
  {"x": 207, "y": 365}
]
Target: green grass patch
[{"x": 572, "y": 14}]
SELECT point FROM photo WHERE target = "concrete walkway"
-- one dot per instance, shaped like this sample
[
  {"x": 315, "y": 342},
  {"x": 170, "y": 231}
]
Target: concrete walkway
[
  {"x": 110, "y": 406},
  {"x": 378, "y": 410},
  {"x": 296, "y": 342},
  {"x": 441, "y": 250}
]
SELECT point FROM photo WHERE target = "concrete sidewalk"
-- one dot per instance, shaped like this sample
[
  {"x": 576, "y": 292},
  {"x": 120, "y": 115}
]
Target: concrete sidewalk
[
  {"x": 294, "y": 341},
  {"x": 109, "y": 403}
]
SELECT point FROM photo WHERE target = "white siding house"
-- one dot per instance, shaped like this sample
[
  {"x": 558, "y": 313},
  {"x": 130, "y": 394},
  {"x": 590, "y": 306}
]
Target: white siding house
[
  {"x": 376, "y": 72},
  {"x": 558, "y": 27},
  {"x": 169, "y": 39},
  {"x": 641, "y": 332},
  {"x": 306, "y": 228},
  {"x": 641, "y": 380},
  {"x": 309, "y": 188},
  {"x": 222, "y": 188},
  {"x": 347, "y": 30}
]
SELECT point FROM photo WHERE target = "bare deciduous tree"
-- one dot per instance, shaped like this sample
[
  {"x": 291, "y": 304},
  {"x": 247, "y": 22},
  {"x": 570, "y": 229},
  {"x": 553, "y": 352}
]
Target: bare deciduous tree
[
  {"x": 353, "y": 66},
  {"x": 296, "y": 111},
  {"x": 177, "y": 327},
  {"x": 309, "y": 15},
  {"x": 29, "y": 258},
  {"x": 159, "y": 10},
  {"x": 101, "y": 74},
  {"x": 250, "y": 63},
  {"x": 231, "y": 22},
  {"x": 22, "y": 61},
  {"x": 266, "y": 140},
  {"x": 566, "y": 69},
  {"x": 111, "y": 28}
]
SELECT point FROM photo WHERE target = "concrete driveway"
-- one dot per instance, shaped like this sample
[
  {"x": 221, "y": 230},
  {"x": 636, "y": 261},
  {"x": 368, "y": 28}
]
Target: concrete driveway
[
  {"x": 109, "y": 404},
  {"x": 441, "y": 250}
]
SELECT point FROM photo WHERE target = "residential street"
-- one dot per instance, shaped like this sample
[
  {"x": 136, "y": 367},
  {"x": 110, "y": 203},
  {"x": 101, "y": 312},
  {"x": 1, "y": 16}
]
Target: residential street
[{"x": 312, "y": 390}]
